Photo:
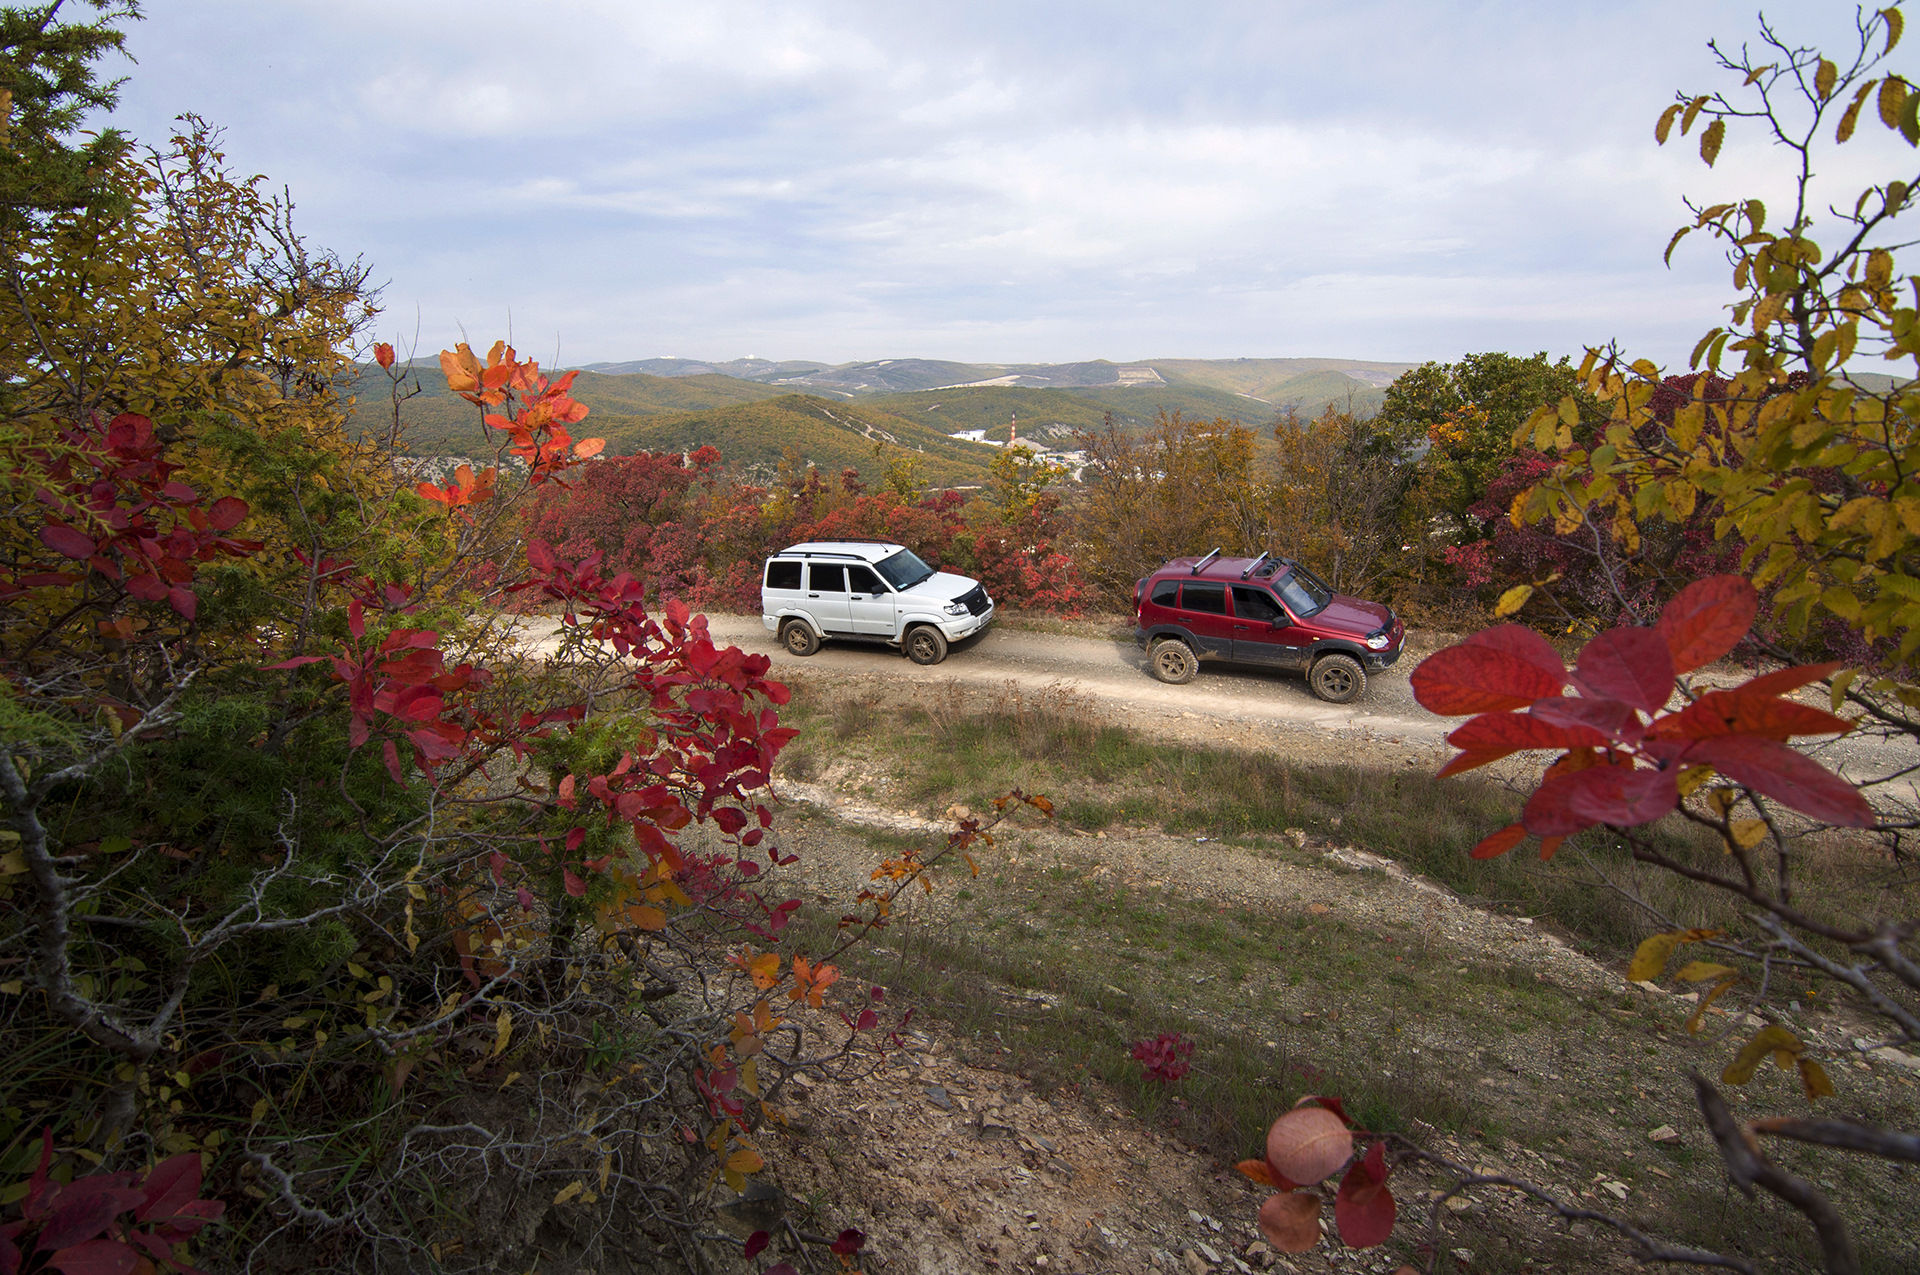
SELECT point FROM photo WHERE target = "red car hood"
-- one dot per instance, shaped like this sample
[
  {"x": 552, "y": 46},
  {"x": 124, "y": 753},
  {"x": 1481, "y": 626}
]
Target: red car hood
[{"x": 1352, "y": 615}]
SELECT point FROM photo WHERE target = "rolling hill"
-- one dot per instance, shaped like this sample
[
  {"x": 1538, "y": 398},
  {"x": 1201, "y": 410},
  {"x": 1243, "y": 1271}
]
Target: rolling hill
[
  {"x": 439, "y": 421},
  {"x": 831, "y": 434}
]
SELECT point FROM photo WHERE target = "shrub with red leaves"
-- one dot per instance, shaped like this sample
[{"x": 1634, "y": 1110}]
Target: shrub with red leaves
[{"x": 1164, "y": 1057}]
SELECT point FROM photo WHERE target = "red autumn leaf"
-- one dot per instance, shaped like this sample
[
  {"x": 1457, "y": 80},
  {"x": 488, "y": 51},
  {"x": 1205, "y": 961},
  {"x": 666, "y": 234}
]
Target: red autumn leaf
[
  {"x": 1549, "y": 846},
  {"x": 1479, "y": 679},
  {"x": 755, "y": 1242},
  {"x": 1364, "y": 1208},
  {"x": 1618, "y": 795},
  {"x": 67, "y": 542},
  {"x": 1707, "y": 619},
  {"x": 1472, "y": 759},
  {"x": 227, "y": 513},
  {"x": 173, "y": 1182},
  {"x": 183, "y": 600},
  {"x": 1608, "y": 716},
  {"x": 730, "y": 819},
  {"x": 83, "y": 1210},
  {"x": 1308, "y": 1143},
  {"x": 1627, "y": 664},
  {"x": 383, "y": 355},
  {"x": 1521, "y": 641},
  {"x": 95, "y": 1257},
  {"x": 392, "y": 757},
  {"x": 1781, "y": 681},
  {"x": 1789, "y": 777},
  {"x": 1742, "y": 712},
  {"x": 849, "y": 1242},
  {"x": 1259, "y": 1171},
  {"x": 1515, "y": 732},
  {"x": 1291, "y": 1221},
  {"x": 1495, "y": 844},
  {"x": 575, "y": 886}
]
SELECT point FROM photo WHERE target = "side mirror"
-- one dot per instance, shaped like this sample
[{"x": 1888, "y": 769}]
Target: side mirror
[{"x": 1277, "y": 623}]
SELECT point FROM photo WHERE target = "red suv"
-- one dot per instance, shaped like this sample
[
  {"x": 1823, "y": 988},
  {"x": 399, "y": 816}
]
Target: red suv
[{"x": 1266, "y": 611}]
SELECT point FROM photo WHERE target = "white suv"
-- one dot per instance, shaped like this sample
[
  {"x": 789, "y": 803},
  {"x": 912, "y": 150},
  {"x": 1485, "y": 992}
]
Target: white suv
[{"x": 870, "y": 589}]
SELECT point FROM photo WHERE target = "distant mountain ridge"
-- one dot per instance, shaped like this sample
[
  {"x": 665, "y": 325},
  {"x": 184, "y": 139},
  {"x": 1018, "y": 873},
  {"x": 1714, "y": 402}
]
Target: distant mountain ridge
[
  {"x": 759, "y": 412},
  {"x": 1266, "y": 380}
]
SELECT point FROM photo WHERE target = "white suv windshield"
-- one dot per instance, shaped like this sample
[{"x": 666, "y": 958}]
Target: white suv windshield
[{"x": 903, "y": 570}]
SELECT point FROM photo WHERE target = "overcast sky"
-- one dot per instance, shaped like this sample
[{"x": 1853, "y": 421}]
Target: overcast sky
[{"x": 1031, "y": 181}]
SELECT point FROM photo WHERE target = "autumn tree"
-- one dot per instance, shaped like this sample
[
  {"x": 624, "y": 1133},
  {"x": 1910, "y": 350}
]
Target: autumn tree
[{"x": 1802, "y": 464}]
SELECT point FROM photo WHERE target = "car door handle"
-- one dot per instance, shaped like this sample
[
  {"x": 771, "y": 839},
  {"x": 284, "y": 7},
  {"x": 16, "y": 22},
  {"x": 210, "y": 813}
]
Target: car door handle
[
  {"x": 1240, "y": 628},
  {"x": 813, "y": 595}
]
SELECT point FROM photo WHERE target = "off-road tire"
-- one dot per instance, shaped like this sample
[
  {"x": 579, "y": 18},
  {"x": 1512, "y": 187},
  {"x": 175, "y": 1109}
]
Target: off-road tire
[
  {"x": 799, "y": 638},
  {"x": 925, "y": 644},
  {"x": 1172, "y": 661},
  {"x": 1337, "y": 679}
]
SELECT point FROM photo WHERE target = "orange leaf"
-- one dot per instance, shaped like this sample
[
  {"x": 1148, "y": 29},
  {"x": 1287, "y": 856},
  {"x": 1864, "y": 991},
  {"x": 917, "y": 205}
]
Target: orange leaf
[
  {"x": 766, "y": 970},
  {"x": 1495, "y": 844},
  {"x": 1291, "y": 1221},
  {"x": 646, "y": 918},
  {"x": 745, "y": 1160},
  {"x": 589, "y": 447},
  {"x": 1258, "y": 1171}
]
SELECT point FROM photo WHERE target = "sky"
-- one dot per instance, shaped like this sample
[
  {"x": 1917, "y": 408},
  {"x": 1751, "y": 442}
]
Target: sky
[{"x": 1041, "y": 181}]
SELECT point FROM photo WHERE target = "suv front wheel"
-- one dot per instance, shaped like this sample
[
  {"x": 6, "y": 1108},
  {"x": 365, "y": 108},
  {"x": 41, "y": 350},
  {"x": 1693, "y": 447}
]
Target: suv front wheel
[
  {"x": 1173, "y": 662},
  {"x": 926, "y": 645},
  {"x": 1337, "y": 678}
]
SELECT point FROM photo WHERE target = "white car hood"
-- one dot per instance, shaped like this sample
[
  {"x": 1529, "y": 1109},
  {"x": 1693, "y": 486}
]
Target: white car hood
[{"x": 939, "y": 588}]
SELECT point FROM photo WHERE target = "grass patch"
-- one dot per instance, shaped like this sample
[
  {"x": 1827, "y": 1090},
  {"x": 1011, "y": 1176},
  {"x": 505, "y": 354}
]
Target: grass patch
[{"x": 943, "y": 747}]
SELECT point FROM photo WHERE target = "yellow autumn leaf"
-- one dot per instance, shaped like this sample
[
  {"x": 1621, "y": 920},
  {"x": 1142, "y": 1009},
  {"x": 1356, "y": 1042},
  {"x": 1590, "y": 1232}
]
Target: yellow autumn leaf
[
  {"x": 1771, "y": 1039},
  {"x": 1748, "y": 833},
  {"x": 1715, "y": 993},
  {"x": 745, "y": 1160},
  {"x": 1703, "y": 972},
  {"x": 1690, "y": 779},
  {"x": 1650, "y": 958},
  {"x": 1814, "y": 1081},
  {"x": 765, "y": 971},
  {"x": 644, "y": 917},
  {"x": 502, "y": 1032},
  {"x": 568, "y": 1191},
  {"x": 1512, "y": 600}
]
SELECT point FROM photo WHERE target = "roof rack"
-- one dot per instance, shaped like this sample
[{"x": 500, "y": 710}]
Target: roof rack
[
  {"x": 1201, "y": 565},
  {"x": 1264, "y": 555}
]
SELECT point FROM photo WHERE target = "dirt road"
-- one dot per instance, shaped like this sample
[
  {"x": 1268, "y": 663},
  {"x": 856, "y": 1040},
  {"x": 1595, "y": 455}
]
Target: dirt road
[{"x": 1114, "y": 674}]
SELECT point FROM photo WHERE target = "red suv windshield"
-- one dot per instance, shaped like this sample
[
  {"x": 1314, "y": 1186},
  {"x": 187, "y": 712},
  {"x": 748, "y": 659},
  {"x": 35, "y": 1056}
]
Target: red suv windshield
[{"x": 1303, "y": 592}]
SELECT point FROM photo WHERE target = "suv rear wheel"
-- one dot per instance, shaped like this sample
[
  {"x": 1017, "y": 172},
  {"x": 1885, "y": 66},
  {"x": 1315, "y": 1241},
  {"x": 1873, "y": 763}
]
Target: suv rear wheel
[
  {"x": 799, "y": 638},
  {"x": 926, "y": 645},
  {"x": 1337, "y": 678},
  {"x": 1173, "y": 662}
]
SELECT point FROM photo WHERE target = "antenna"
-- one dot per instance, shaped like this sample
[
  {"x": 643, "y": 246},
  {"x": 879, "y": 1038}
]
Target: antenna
[{"x": 1201, "y": 565}]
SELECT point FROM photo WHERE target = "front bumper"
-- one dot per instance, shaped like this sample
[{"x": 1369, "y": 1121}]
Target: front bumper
[
  {"x": 1377, "y": 660},
  {"x": 970, "y": 625}
]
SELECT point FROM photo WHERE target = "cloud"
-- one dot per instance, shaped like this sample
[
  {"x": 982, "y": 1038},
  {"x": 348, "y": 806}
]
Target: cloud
[{"x": 832, "y": 179}]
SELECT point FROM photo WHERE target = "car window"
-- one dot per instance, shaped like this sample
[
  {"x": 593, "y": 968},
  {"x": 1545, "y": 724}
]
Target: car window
[
  {"x": 1304, "y": 593},
  {"x": 783, "y": 575},
  {"x": 1211, "y": 598},
  {"x": 827, "y": 577},
  {"x": 1166, "y": 593},
  {"x": 861, "y": 580},
  {"x": 904, "y": 569},
  {"x": 1254, "y": 604}
]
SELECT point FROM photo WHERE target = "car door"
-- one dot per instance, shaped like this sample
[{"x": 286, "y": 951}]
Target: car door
[
  {"x": 870, "y": 603},
  {"x": 1203, "y": 613},
  {"x": 827, "y": 596},
  {"x": 1263, "y": 632}
]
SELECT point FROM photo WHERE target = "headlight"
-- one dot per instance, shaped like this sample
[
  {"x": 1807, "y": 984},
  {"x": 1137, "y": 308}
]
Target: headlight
[
  {"x": 956, "y": 608},
  {"x": 1378, "y": 642}
]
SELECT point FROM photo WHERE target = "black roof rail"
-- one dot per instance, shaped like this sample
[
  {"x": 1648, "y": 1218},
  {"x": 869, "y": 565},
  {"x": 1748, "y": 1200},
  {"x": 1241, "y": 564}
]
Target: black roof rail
[
  {"x": 1201, "y": 565},
  {"x": 1264, "y": 555}
]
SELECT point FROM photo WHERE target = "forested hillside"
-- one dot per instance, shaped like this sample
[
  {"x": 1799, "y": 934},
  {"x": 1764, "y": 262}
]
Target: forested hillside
[{"x": 831, "y": 435}]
